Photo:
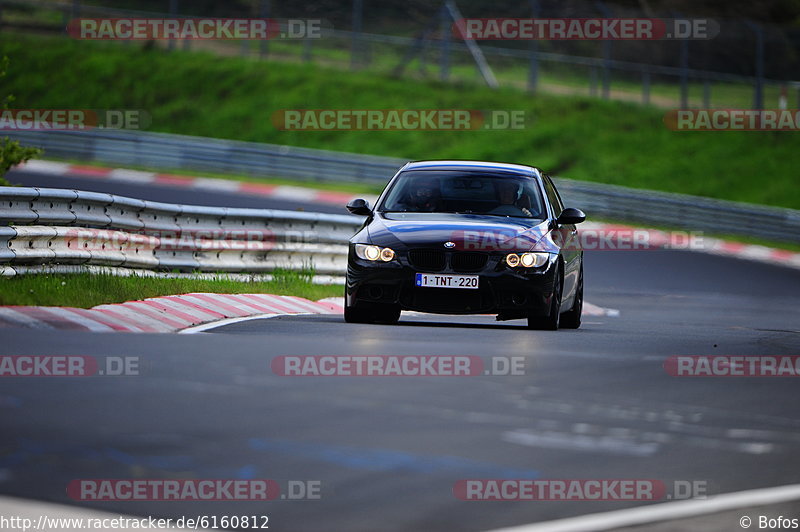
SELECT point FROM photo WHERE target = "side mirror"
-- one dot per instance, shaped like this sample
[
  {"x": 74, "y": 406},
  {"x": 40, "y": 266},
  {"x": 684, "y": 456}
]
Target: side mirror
[
  {"x": 570, "y": 216},
  {"x": 359, "y": 206}
]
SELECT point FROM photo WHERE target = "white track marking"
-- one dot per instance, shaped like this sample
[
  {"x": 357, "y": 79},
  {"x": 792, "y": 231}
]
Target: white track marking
[
  {"x": 91, "y": 324},
  {"x": 47, "y": 167},
  {"x": 20, "y": 317},
  {"x": 132, "y": 176}
]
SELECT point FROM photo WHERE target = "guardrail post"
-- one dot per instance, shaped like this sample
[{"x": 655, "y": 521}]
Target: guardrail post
[{"x": 6, "y": 235}]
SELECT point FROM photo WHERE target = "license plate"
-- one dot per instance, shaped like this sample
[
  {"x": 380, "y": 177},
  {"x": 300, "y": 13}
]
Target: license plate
[{"x": 429, "y": 280}]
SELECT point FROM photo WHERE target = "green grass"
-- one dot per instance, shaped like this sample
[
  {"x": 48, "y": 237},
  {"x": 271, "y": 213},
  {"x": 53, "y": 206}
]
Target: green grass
[
  {"x": 84, "y": 290},
  {"x": 574, "y": 137},
  {"x": 553, "y": 77}
]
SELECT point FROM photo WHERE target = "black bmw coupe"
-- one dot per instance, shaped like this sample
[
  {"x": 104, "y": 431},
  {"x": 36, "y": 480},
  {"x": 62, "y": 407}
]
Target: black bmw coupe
[{"x": 466, "y": 237}]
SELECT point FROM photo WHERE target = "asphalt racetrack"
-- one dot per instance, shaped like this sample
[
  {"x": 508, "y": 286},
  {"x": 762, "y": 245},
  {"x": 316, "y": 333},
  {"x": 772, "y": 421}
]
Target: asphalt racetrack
[{"x": 595, "y": 403}]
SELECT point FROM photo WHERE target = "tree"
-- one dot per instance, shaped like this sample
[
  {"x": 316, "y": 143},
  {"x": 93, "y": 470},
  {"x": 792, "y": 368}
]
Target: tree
[{"x": 11, "y": 152}]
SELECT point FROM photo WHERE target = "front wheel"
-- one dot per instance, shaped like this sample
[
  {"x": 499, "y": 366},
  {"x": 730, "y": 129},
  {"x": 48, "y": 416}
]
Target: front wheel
[
  {"x": 388, "y": 315},
  {"x": 551, "y": 321},
  {"x": 571, "y": 319},
  {"x": 355, "y": 315}
]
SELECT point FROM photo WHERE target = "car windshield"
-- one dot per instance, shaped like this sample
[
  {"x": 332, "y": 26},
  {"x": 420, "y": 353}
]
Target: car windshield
[{"x": 473, "y": 192}]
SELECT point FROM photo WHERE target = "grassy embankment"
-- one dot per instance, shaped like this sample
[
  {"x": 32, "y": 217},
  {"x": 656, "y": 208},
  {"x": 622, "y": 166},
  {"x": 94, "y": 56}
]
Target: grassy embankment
[{"x": 580, "y": 138}]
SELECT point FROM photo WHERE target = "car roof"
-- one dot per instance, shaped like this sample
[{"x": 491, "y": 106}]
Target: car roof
[{"x": 516, "y": 169}]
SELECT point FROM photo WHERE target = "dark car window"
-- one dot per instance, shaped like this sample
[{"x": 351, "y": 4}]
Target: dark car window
[
  {"x": 471, "y": 192},
  {"x": 552, "y": 196}
]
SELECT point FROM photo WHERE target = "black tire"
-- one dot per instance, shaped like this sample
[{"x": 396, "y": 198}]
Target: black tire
[
  {"x": 388, "y": 315},
  {"x": 355, "y": 315},
  {"x": 571, "y": 319},
  {"x": 551, "y": 321}
]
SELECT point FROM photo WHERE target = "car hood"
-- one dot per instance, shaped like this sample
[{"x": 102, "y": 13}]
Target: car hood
[{"x": 469, "y": 232}]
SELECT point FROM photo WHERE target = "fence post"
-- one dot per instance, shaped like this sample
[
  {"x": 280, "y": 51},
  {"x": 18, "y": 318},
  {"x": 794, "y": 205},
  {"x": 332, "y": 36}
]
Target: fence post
[
  {"x": 263, "y": 44},
  {"x": 606, "y": 52},
  {"x": 358, "y": 8},
  {"x": 173, "y": 11},
  {"x": 533, "y": 73},
  {"x": 606, "y": 70},
  {"x": 684, "y": 74},
  {"x": 444, "y": 59},
  {"x": 74, "y": 12},
  {"x": 758, "y": 89}
]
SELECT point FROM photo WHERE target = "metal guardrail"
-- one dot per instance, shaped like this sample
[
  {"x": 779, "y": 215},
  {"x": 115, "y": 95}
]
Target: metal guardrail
[
  {"x": 160, "y": 150},
  {"x": 694, "y": 213},
  {"x": 56, "y": 226}
]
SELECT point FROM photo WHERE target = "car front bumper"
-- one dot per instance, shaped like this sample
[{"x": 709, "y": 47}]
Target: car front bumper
[{"x": 501, "y": 290}]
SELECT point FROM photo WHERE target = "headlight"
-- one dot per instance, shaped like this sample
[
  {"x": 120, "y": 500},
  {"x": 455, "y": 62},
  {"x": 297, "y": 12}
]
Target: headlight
[
  {"x": 387, "y": 254},
  {"x": 374, "y": 253},
  {"x": 527, "y": 260}
]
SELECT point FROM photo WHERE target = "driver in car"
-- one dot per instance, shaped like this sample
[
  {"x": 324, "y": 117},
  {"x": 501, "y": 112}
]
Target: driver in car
[
  {"x": 424, "y": 197},
  {"x": 508, "y": 195}
]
